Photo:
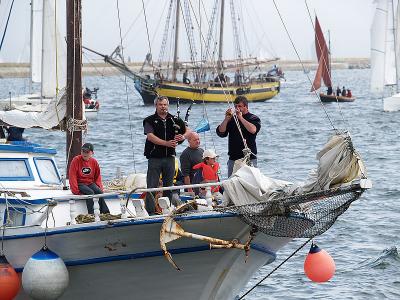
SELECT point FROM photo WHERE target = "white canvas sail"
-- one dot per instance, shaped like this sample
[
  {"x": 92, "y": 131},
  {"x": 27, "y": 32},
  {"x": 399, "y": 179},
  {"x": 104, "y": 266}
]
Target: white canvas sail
[
  {"x": 378, "y": 38},
  {"x": 53, "y": 52},
  {"x": 390, "y": 60},
  {"x": 36, "y": 40}
]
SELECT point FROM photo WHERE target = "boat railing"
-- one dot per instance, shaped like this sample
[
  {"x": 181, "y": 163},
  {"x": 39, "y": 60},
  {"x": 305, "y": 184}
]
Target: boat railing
[{"x": 122, "y": 196}]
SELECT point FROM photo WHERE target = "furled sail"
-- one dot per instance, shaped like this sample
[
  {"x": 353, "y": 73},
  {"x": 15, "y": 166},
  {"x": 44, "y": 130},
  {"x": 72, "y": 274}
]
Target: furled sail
[
  {"x": 36, "y": 40},
  {"x": 322, "y": 51},
  {"x": 54, "y": 57}
]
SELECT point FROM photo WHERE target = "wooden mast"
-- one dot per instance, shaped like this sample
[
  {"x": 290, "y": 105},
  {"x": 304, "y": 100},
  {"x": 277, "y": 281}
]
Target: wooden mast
[
  {"x": 220, "y": 64},
  {"x": 175, "y": 64},
  {"x": 74, "y": 77}
]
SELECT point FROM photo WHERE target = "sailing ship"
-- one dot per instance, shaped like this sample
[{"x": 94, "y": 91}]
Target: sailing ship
[
  {"x": 212, "y": 251},
  {"x": 47, "y": 62},
  {"x": 385, "y": 49},
  {"x": 209, "y": 82},
  {"x": 324, "y": 69}
]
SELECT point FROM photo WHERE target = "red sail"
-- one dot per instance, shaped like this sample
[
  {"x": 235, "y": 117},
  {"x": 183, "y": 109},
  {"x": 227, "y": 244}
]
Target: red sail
[{"x": 323, "y": 59}]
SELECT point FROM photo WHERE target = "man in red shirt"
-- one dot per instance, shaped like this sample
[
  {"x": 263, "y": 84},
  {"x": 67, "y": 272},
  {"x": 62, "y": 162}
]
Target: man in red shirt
[{"x": 85, "y": 177}]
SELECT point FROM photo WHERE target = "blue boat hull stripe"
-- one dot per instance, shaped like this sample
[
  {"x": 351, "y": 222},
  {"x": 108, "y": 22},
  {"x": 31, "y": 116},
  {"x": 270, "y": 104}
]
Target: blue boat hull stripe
[{"x": 97, "y": 260}]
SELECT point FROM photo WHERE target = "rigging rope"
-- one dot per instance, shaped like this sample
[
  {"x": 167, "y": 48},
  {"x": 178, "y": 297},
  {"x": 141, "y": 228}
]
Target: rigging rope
[
  {"x": 5, "y": 29},
  {"x": 147, "y": 31},
  {"x": 126, "y": 89},
  {"x": 276, "y": 268}
]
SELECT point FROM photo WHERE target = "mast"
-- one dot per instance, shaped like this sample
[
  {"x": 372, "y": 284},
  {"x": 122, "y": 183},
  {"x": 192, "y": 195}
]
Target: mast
[
  {"x": 220, "y": 64},
  {"x": 329, "y": 53},
  {"x": 175, "y": 64},
  {"x": 395, "y": 25},
  {"x": 74, "y": 76},
  {"x": 31, "y": 49}
]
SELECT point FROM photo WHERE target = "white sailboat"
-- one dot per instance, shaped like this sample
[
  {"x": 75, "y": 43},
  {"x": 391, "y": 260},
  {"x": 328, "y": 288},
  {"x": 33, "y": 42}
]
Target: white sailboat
[
  {"x": 48, "y": 58},
  {"x": 385, "y": 59},
  {"x": 127, "y": 257}
]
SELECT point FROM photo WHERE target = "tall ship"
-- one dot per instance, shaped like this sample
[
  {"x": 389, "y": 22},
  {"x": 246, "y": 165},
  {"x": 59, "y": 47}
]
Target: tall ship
[{"x": 207, "y": 77}]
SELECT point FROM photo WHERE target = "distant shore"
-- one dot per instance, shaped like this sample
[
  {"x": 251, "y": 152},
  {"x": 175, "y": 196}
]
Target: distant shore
[{"x": 16, "y": 70}]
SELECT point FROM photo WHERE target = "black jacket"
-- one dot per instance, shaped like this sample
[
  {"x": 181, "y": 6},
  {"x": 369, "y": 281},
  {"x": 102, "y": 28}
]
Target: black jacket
[
  {"x": 165, "y": 129},
  {"x": 235, "y": 142}
]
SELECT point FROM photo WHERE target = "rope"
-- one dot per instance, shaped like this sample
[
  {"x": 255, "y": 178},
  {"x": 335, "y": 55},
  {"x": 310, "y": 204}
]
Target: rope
[
  {"x": 147, "y": 31},
  {"x": 5, "y": 29},
  {"x": 302, "y": 65},
  {"x": 275, "y": 269},
  {"x": 126, "y": 91},
  {"x": 76, "y": 125}
]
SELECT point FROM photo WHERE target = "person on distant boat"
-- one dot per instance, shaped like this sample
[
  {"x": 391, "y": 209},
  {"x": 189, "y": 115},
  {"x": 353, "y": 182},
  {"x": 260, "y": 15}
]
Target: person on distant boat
[
  {"x": 191, "y": 156},
  {"x": 163, "y": 133},
  {"x": 15, "y": 133},
  {"x": 338, "y": 92},
  {"x": 85, "y": 178},
  {"x": 238, "y": 78},
  {"x": 250, "y": 125},
  {"x": 329, "y": 91},
  {"x": 344, "y": 92},
  {"x": 220, "y": 79},
  {"x": 185, "y": 78},
  {"x": 349, "y": 93}
]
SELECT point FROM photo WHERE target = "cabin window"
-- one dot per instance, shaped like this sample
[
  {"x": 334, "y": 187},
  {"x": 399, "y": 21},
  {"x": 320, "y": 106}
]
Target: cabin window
[
  {"x": 14, "y": 169},
  {"x": 47, "y": 170},
  {"x": 14, "y": 216}
]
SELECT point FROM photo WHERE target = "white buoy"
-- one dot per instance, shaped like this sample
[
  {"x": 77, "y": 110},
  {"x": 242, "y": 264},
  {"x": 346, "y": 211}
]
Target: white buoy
[{"x": 45, "y": 275}]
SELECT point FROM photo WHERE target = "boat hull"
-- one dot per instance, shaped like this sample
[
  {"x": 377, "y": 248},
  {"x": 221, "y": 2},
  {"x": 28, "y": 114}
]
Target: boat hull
[
  {"x": 392, "y": 103},
  {"x": 257, "y": 92},
  {"x": 123, "y": 259},
  {"x": 333, "y": 98}
]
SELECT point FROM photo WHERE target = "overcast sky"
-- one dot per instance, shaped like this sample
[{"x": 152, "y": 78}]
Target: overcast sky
[{"x": 348, "y": 21}]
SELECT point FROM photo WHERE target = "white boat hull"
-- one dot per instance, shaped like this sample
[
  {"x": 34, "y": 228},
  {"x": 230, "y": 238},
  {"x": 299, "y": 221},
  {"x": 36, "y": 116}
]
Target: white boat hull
[
  {"x": 392, "y": 103},
  {"x": 123, "y": 259}
]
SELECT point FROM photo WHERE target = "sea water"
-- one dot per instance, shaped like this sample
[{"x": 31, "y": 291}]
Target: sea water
[{"x": 295, "y": 126}]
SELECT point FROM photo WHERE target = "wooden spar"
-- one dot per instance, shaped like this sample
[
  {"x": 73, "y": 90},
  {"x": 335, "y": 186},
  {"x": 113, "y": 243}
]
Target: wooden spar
[
  {"x": 74, "y": 76},
  {"x": 175, "y": 64},
  {"x": 221, "y": 38}
]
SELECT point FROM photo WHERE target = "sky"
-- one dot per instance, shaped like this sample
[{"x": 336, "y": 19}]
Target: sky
[{"x": 348, "y": 22}]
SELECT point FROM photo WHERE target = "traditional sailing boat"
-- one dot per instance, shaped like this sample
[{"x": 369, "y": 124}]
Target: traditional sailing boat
[
  {"x": 209, "y": 82},
  {"x": 385, "y": 49},
  {"x": 324, "y": 69},
  {"x": 266, "y": 215}
]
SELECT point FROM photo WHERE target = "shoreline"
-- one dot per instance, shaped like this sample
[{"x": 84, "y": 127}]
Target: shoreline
[{"x": 21, "y": 70}]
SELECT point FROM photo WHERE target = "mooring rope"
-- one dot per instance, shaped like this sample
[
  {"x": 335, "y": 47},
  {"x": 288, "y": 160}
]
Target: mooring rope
[{"x": 276, "y": 268}]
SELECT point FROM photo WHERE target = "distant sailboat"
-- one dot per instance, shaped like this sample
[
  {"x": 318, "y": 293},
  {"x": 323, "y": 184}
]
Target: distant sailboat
[
  {"x": 47, "y": 60},
  {"x": 385, "y": 47},
  {"x": 324, "y": 69}
]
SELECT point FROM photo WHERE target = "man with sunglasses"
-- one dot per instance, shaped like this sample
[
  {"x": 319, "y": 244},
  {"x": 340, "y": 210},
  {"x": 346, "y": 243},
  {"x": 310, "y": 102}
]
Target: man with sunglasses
[
  {"x": 85, "y": 177},
  {"x": 250, "y": 125}
]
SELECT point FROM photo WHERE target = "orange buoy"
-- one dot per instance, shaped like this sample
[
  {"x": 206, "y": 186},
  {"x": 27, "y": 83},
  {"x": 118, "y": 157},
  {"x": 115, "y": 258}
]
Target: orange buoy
[
  {"x": 319, "y": 265},
  {"x": 9, "y": 280}
]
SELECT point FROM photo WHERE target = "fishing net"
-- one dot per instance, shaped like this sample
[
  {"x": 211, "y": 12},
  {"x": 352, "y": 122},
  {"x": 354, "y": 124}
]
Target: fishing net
[{"x": 297, "y": 216}]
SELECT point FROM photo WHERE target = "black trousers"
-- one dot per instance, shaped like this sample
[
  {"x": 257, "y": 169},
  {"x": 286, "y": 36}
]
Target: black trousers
[{"x": 93, "y": 189}]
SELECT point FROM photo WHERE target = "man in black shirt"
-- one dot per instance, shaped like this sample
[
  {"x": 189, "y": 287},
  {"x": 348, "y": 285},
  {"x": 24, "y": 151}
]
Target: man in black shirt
[
  {"x": 164, "y": 132},
  {"x": 250, "y": 125}
]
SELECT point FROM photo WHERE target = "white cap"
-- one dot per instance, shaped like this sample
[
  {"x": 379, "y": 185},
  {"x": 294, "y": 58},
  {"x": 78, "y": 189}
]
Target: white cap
[{"x": 209, "y": 153}]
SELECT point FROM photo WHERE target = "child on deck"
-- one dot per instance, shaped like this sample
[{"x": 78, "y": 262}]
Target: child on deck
[{"x": 209, "y": 168}]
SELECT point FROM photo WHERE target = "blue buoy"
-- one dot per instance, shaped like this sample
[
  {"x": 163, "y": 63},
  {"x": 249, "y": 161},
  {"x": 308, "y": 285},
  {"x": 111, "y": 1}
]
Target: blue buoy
[{"x": 45, "y": 275}]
